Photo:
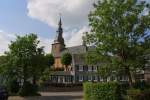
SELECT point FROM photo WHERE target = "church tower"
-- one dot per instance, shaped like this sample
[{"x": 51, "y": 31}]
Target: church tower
[{"x": 58, "y": 46}]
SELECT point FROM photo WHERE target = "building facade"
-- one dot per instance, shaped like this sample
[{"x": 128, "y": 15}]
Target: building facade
[{"x": 79, "y": 71}]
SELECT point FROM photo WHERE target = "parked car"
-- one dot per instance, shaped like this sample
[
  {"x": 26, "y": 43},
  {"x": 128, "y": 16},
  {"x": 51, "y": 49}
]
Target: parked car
[{"x": 3, "y": 93}]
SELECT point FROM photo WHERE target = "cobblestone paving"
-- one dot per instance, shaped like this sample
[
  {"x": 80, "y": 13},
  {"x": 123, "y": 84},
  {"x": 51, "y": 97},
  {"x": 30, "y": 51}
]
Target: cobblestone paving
[{"x": 53, "y": 96}]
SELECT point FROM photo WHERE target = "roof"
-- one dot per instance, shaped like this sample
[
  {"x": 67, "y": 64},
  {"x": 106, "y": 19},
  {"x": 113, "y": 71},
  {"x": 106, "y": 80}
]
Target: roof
[
  {"x": 76, "y": 49},
  {"x": 90, "y": 48}
]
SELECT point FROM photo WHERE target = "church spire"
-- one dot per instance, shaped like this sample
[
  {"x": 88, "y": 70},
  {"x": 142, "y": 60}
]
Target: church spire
[
  {"x": 60, "y": 23},
  {"x": 59, "y": 37},
  {"x": 60, "y": 30}
]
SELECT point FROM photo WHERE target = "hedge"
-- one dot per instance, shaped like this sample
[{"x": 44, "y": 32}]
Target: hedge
[
  {"x": 101, "y": 91},
  {"x": 29, "y": 89},
  {"x": 137, "y": 94}
]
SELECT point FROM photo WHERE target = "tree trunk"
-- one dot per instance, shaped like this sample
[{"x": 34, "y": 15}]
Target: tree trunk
[
  {"x": 123, "y": 56},
  {"x": 34, "y": 80},
  {"x": 66, "y": 67},
  {"x": 129, "y": 76}
]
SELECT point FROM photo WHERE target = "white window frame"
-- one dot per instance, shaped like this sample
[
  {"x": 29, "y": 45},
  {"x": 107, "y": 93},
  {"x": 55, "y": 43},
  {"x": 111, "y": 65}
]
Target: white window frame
[
  {"x": 101, "y": 79},
  {"x": 80, "y": 78},
  {"x": 80, "y": 68},
  {"x": 108, "y": 79},
  {"x": 89, "y": 78},
  {"x": 89, "y": 68},
  {"x": 124, "y": 78},
  {"x": 96, "y": 78},
  {"x": 95, "y": 68}
]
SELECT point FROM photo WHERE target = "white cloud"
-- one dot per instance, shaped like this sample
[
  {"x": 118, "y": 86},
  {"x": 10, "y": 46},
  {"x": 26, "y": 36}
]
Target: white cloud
[
  {"x": 5, "y": 39},
  {"x": 46, "y": 43},
  {"x": 74, "y": 16},
  {"x": 74, "y": 12},
  {"x": 76, "y": 37}
]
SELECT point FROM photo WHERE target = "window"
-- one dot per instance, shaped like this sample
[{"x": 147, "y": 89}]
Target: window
[
  {"x": 89, "y": 68},
  {"x": 68, "y": 79},
  {"x": 89, "y": 78},
  {"x": 80, "y": 78},
  {"x": 108, "y": 79},
  {"x": 94, "y": 68},
  {"x": 123, "y": 78},
  {"x": 101, "y": 79},
  {"x": 77, "y": 67},
  {"x": 80, "y": 68},
  {"x": 84, "y": 68},
  {"x": 113, "y": 78},
  {"x": 95, "y": 78}
]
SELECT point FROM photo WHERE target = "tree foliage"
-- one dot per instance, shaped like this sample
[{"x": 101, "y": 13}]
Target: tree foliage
[
  {"x": 120, "y": 31},
  {"x": 25, "y": 59},
  {"x": 66, "y": 59},
  {"x": 49, "y": 59}
]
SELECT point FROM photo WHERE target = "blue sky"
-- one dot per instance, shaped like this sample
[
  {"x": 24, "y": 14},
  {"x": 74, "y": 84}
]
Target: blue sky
[
  {"x": 41, "y": 17},
  {"x": 14, "y": 19}
]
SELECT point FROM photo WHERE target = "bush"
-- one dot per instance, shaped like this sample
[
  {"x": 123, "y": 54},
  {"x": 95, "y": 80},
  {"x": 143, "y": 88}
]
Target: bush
[
  {"x": 133, "y": 91},
  {"x": 28, "y": 89},
  {"x": 123, "y": 88},
  {"x": 141, "y": 85},
  {"x": 145, "y": 94},
  {"x": 101, "y": 91},
  {"x": 13, "y": 86},
  {"x": 137, "y": 94}
]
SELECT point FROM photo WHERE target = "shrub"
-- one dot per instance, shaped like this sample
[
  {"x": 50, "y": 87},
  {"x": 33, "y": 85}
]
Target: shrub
[
  {"x": 28, "y": 89},
  {"x": 137, "y": 94},
  {"x": 101, "y": 91},
  {"x": 133, "y": 91},
  {"x": 13, "y": 86},
  {"x": 123, "y": 88},
  {"x": 146, "y": 94},
  {"x": 140, "y": 85}
]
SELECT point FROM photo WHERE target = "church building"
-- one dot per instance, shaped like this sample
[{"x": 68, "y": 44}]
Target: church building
[
  {"x": 79, "y": 71},
  {"x": 58, "y": 46}
]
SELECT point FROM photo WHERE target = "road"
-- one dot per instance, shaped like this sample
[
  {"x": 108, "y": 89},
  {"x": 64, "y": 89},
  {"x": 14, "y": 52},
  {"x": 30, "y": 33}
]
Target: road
[{"x": 53, "y": 96}]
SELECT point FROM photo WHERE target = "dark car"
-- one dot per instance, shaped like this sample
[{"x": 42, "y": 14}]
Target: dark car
[{"x": 3, "y": 93}]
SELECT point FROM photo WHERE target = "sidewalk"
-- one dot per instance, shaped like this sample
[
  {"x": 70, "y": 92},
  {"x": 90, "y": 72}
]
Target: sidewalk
[{"x": 53, "y": 96}]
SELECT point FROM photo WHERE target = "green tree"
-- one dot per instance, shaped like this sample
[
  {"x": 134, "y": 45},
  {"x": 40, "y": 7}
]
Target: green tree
[
  {"x": 66, "y": 60},
  {"x": 120, "y": 32},
  {"x": 49, "y": 60},
  {"x": 25, "y": 58},
  {"x": 3, "y": 60},
  {"x": 38, "y": 64}
]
